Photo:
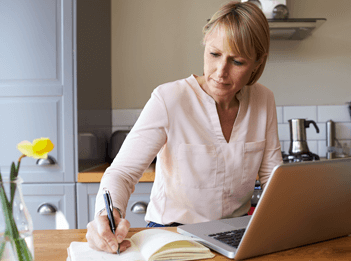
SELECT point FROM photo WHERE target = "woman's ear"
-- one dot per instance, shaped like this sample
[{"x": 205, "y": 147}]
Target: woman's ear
[{"x": 259, "y": 61}]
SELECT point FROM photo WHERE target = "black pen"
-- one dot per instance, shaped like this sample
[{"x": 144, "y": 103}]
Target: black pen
[{"x": 109, "y": 209}]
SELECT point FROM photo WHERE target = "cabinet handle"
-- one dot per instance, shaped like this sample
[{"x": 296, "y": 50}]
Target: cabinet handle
[
  {"x": 139, "y": 207},
  {"x": 46, "y": 209},
  {"x": 49, "y": 161}
]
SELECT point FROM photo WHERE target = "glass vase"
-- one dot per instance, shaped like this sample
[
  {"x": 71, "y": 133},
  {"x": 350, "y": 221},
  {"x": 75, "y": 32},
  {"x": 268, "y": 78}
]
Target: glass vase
[{"x": 15, "y": 238}]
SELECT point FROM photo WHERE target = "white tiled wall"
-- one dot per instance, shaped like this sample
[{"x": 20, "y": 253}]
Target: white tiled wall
[
  {"x": 125, "y": 119},
  {"x": 320, "y": 114}
]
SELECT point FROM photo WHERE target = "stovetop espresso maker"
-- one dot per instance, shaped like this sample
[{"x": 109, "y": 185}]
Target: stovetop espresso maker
[{"x": 298, "y": 140}]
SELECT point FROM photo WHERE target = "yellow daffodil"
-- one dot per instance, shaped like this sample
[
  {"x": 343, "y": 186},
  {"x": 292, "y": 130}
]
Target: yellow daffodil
[{"x": 38, "y": 150}]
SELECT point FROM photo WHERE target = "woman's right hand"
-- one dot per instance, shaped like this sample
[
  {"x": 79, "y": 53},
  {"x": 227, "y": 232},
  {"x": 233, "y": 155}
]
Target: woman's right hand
[{"x": 100, "y": 236}]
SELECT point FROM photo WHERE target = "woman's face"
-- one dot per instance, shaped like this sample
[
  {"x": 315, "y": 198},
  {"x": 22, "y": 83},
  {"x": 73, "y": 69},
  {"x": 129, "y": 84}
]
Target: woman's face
[{"x": 225, "y": 72}]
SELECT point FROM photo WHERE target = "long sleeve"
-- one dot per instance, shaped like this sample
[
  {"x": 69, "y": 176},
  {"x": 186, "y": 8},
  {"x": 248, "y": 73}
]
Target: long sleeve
[{"x": 137, "y": 152}]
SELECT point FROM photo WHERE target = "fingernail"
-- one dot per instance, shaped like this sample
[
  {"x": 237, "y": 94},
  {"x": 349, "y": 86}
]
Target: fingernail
[
  {"x": 114, "y": 248},
  {"x": 119, "y": 238}
]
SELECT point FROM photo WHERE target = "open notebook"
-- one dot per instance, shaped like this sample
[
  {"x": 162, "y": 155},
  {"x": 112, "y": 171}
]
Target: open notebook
[
  {"x": 149, "y": 244},
  {"x": 302, "y": 203}
]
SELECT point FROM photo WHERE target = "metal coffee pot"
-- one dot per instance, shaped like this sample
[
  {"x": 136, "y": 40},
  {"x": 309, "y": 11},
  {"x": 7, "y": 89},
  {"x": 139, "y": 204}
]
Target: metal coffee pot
[{"x": 298, "y": 140}]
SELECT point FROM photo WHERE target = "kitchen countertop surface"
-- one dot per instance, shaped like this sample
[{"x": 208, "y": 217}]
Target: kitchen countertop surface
[{"x": 94, "y": 174}]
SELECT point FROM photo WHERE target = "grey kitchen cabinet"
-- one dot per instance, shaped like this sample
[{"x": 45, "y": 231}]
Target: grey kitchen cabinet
[
  {"x": 51, "y": 206},
  {"x": 38, "y": 99},
  {"x": 86, "y": 196}
]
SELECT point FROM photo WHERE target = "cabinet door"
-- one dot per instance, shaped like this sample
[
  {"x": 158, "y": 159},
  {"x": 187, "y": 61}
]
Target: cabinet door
[
  {"x": 51, "y": 206},
  {"x": 86, "y": 197},
  {"x": 37, "y": 85}
]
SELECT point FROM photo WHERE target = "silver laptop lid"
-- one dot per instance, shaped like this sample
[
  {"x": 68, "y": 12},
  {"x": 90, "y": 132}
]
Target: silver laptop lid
[{"x": 303, "y": 203}]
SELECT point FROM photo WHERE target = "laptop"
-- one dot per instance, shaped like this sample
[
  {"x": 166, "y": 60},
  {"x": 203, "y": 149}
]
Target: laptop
[{"x": 302, "y": 203}]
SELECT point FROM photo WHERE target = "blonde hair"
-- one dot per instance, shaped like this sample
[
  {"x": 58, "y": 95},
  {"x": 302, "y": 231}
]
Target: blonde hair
[{"x": 247, "y": 31}]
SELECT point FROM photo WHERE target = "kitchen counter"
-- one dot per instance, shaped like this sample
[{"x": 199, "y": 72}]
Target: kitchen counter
[
  {"x": 94, "y": 174},
  {"x": 52, "y": 245}
]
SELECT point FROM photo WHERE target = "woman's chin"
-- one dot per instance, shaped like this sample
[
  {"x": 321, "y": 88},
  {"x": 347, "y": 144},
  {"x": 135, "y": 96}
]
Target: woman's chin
[{"x": 222, "y": 90}]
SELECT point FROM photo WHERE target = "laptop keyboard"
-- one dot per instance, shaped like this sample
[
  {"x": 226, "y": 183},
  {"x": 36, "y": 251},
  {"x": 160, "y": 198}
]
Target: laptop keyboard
[{"x": 231, "y": 238}]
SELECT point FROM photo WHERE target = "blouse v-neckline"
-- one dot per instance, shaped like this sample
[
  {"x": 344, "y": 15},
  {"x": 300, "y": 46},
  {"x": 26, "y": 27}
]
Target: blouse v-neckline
[
  {"x": 230, "y": 125},
  {"x": 214, "y": 116}
]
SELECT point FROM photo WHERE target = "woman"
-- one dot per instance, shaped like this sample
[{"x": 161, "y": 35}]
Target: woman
[{"x": 212, "y": 135}]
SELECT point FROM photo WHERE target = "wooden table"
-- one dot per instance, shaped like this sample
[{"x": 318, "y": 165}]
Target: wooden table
[{"x": 51, "y": 245}]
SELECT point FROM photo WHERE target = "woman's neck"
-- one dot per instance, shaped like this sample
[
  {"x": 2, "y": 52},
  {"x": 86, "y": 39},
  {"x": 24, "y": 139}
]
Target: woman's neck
[{"x": 223, "y": 103}]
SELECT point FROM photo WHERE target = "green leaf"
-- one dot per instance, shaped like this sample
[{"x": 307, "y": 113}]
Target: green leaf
[
  {"x": 2, "y": 248},
  {"x": 11, "y": 227},
  {"x": 4, "y": 202},
  {"x": 3, "y": 244},
  {"x": 13, "y": 186},
  {"x": 22, "y": 249},
  {"x": 14, "y": 172}
]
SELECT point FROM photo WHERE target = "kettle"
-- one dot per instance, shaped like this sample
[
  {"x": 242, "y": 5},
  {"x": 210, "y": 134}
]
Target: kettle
[{"x": 298, "y": 140}]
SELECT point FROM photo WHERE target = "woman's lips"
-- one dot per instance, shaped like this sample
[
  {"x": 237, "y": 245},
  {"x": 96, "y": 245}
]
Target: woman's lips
[{"x": 220, "y": 82}]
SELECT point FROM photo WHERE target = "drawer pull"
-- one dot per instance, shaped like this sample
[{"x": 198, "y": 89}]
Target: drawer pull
[
  {"x": 139, "y": 207},
  {"x": 46, "y": 209},
  {"x": 49, "y": 161}
]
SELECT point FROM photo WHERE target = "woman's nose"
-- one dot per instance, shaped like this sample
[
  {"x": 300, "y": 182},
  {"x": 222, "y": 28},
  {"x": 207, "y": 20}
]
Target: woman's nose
[{"x": 222, "y": 69}]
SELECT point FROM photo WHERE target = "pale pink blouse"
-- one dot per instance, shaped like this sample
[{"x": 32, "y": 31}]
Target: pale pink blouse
[{"x": 199, "y": 176}]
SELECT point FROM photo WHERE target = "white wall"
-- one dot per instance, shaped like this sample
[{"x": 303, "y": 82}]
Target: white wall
[
  {"x": 154, "y": 42},
  {"x": 317, "y": 70},
  {"x": 157, "y": 41}
]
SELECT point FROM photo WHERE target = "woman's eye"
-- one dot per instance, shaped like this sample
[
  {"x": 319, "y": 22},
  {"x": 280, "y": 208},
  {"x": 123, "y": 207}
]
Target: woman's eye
[
  {"x": 237, "y": 62},
  {"x": 214, "y": 54}
]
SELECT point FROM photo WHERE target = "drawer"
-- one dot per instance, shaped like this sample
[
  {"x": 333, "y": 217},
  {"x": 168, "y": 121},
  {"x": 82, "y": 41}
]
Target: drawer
[
  {"x": 136, "y": 209},
  {"x": 51, "y": 206}
]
